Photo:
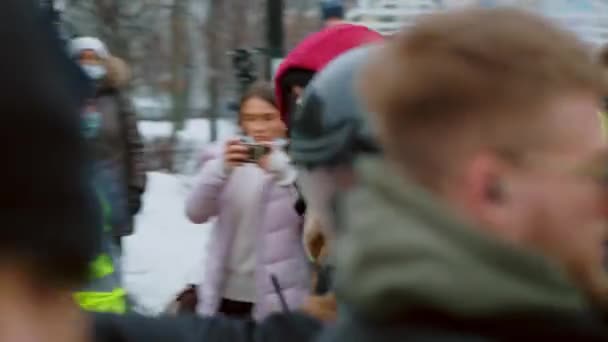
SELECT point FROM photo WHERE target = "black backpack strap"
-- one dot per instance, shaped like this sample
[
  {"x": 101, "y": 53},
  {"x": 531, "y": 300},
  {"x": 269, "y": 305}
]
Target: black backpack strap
[{"x": 300, "y": 205}]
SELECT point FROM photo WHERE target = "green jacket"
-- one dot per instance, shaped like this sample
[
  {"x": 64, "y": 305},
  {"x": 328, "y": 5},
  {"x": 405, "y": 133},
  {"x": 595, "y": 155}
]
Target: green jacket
[{"x": 401, "y": 248}]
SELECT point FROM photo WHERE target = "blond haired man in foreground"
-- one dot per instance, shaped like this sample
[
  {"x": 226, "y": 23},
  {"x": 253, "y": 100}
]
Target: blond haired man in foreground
[{"x": 485, "y": 218}]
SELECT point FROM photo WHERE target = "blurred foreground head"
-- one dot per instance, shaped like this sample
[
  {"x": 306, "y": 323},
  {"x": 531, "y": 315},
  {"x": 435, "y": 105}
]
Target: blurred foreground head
[
  {"x": 495, "y": 112},
  {"x": 311, "y": 56},
  {"x": 47, "y": 237},
  {"x": 330, "y": 129}
]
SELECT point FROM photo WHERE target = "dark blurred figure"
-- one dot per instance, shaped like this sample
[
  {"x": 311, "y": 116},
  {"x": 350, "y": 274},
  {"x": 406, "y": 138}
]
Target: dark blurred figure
[
  {"x": 110, "y": 124},
  {"x": 484, "y": 219},
  {"x": 50, "y": 222}
]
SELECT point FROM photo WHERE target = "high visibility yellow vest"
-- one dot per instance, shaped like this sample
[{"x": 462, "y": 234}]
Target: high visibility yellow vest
[{"x": 104, "y": 293}]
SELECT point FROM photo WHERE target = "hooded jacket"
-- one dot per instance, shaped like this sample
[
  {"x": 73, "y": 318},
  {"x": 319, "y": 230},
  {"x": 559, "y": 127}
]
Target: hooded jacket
[
  {"x": 316, "y": 51},
  {"x": 118, "y": 147},
  {"x": 410, "y": 269}
]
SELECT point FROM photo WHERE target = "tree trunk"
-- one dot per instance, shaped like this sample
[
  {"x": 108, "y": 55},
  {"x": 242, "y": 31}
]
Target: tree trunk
[
  {"x": 180, "y": 64},
  {"x": 109, "y": 12},
  {"x": 215, "y": 54}
]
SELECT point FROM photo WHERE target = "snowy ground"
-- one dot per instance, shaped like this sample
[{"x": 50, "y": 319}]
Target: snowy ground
[{"x": 167, "y": 251}]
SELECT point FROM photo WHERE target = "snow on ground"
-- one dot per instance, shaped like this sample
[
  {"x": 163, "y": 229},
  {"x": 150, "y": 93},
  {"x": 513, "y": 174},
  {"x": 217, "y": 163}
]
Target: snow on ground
[{"x": 167, "y": 251}]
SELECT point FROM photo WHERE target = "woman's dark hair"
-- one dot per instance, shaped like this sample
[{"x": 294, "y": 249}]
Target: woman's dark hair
[{"x": 260, "y": 89}]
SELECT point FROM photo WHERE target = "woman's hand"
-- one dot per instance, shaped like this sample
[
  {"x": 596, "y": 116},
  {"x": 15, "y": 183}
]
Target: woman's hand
[{"x": 235, "y": 154}]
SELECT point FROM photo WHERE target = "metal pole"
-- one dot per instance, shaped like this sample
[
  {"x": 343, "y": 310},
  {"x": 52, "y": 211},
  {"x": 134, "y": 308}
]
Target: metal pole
[{"x": 275, "y": 36}]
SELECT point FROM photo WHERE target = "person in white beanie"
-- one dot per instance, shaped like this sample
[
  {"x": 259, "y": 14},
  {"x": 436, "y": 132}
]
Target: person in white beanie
[
  {"x": 109, "y": 122},
  {"x": 91, "y": 53}
]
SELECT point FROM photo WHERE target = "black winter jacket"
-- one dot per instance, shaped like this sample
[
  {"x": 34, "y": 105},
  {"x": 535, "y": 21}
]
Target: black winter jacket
[
  {"x": 290, "y": 327},
  {"x": 428, "y": 326},
  {"x": 118, "y": 148}
]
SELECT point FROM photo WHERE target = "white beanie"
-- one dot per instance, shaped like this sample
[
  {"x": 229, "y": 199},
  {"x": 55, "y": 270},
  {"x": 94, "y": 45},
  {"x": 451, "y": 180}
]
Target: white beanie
[{"x": 80, "y": 44}]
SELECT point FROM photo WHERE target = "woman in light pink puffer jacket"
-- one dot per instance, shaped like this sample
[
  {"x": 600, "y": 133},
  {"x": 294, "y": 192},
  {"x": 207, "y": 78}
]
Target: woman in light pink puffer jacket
[{"x": 257, "y": 234}]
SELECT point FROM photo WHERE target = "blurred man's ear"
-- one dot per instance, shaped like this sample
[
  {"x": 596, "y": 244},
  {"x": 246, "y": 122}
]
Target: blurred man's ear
[
  {"x": 495, "y": 191},
  {"x": 484, "y": 190}
]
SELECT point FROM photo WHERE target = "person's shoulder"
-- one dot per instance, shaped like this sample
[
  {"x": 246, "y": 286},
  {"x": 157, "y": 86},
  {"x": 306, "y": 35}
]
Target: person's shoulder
[
  {"x": 434, "y": 326},
  {"x": 137, "y": 328},
  {"x": 134, "y": 328},
  {"x": 293, "y": 327}
]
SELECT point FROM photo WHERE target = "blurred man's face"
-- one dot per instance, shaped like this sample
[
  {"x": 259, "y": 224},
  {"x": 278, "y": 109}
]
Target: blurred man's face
[{"x": 554, "y": 199}]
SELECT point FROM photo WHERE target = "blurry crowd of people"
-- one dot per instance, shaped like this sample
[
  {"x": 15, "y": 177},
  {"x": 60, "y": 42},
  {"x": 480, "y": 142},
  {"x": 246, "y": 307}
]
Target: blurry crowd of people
[{"x": 449, "y": 183}]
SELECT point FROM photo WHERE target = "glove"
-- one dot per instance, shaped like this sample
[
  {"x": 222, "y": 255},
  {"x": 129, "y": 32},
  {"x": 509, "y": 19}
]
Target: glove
[{"x": 134, "y": 198}]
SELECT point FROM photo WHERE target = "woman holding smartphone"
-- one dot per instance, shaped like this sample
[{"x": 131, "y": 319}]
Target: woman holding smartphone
[{"x": 250, "y": 189}]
